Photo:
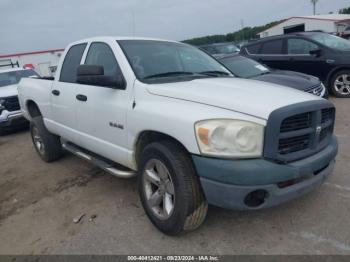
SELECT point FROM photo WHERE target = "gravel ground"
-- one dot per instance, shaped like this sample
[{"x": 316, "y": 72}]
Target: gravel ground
[{"x": 39, "y": 201}]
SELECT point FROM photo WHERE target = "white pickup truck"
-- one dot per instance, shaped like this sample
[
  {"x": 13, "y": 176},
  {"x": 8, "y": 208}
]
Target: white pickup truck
[{"x": 175, "y": 117}]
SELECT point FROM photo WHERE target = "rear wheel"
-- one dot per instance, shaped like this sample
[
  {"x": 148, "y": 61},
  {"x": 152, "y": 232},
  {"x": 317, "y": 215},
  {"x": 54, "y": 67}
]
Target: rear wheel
[
  {"x": 340, "y": 84},
  {"x": 169, "y": 188},
  {"x": 47, "y": 145}
]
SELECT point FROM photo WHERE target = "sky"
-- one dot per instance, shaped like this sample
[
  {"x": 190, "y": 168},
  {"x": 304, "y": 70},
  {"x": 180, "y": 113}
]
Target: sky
[{"x": 48, "y": 24}]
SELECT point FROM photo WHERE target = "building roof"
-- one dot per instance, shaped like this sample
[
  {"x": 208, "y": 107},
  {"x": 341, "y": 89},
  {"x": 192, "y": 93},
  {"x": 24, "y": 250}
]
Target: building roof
[
  {"x": 333, "y": 17},
  {"x": 32, "y": 53},
  {"x": 329, "y": 17}
]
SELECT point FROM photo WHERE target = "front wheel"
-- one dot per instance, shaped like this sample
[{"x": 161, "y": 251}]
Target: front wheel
[
  {"x": 169, "y": 188},
  {"x": 340, "y": 84}
]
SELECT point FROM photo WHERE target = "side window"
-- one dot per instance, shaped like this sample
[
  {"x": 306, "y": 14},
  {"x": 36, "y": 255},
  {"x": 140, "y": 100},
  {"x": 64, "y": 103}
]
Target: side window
[
  {"x": 253, "y": 49},
  {"x": 300, "y": 46},
  {"x": 272, "y": 47},
  {"x": 102, "y": 55},
  {"x": 71, "y": 63}
]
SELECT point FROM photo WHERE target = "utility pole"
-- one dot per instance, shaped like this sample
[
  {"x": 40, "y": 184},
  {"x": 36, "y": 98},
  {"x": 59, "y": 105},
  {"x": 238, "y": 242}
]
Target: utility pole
[
  {"x": 314, "y": 2},
  {"x": 242, "y": 27}
]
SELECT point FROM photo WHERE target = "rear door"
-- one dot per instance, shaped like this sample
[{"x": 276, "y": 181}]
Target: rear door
[
  {"x": 102, "y": 117},
  {"x": 63, "y": 101},
  {"x": 271, "y": 53}
]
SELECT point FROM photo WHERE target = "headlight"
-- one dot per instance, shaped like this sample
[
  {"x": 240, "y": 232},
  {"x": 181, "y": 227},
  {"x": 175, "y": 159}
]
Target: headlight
[{"x": 230, "y": 138}]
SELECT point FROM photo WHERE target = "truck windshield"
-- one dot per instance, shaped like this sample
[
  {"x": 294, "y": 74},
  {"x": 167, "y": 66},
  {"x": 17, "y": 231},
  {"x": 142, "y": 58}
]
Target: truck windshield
[
  {"x": 160, "y": 59},
  {"x": 13, "y": 77},
  {"x": 332, "y": 41}
]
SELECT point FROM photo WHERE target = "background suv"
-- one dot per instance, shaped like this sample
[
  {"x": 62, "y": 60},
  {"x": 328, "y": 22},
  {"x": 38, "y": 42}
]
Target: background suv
[{"x": 320, "y": 54}]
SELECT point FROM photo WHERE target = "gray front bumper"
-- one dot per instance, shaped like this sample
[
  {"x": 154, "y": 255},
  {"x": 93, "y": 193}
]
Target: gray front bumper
[
  {"x": 233, "y": 196},
  {"x": 226, "y": 183}
]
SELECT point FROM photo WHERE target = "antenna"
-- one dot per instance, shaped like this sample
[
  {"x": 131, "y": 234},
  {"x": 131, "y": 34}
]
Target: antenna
[
  {"x": 133, "y": 22},
  {"x": 314, "y": 2}
]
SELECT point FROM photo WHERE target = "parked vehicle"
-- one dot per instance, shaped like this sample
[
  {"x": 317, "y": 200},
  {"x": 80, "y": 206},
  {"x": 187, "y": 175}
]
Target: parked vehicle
[
  {"x": 220, "y": 49},
  {"x": 245, "y": 67},
  {"x": 175, "y": 117},
  {"x": 346, "y": 33},
  {"x": 10, "y": 113},
  {"x": 320, "y": 54}
]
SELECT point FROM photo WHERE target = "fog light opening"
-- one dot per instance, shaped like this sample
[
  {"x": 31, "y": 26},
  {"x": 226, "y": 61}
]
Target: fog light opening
[{"x": 256, "y": 198}]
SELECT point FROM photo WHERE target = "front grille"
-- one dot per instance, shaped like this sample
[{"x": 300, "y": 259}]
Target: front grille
[
  {"x": 296, "y": 122},
  {"x": 298, "y": 131},
  {"x": 327, "y": 114},
  {"x": 293, "y": 144},
  {"x": 315, "y": 90},
  {"x": 12, "y": 103}
]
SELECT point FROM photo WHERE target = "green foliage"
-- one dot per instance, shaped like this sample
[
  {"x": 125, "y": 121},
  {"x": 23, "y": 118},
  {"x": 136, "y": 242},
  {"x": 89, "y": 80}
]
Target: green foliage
[
  {"x": 246, "y": 33},
  {"x": 344, "y": 11},
  {"x": 242, "y": 35}
]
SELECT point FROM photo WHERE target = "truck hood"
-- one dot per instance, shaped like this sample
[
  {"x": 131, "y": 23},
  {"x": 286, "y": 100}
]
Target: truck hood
[
  {"x": 249, "y": 97},
  {"x": 6, "y": 91}
]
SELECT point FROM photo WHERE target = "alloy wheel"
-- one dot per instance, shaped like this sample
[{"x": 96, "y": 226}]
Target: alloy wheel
[
  {"x": 38, "y": 141},
  {"x": 342, "y": 84},
  {"x": 159, "y": 189}
]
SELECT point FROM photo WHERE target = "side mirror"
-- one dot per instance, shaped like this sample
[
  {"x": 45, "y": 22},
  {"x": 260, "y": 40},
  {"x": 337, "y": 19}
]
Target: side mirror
[
  {"x": 94, "y": 75},
  {"x": 316, "y": 52}
]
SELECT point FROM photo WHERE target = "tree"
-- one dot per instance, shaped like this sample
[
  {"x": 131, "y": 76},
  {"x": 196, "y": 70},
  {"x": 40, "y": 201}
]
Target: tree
[
  {"x": 246, "y": 33},
  {"x": 344, "y": 11}
]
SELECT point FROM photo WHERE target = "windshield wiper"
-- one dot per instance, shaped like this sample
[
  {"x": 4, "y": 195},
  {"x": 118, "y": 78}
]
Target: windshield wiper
[
  {"x": 214, "y": 73},
  {"x": 166, "y": 74}
]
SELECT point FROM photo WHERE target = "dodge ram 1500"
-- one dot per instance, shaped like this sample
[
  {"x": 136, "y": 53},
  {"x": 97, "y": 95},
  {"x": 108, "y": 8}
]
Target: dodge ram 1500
[{"x": 175, "y": 117}]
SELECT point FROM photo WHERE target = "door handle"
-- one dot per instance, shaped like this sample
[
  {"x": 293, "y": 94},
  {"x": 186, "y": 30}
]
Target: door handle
[
  {"x": 55, "y": 92},
  {"x": 81, "y": 98}
]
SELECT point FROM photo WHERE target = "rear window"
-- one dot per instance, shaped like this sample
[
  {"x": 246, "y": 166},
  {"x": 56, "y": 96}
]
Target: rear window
[
  {"x": 272, "y": 47},
  {"x": 71, "y": 63}
]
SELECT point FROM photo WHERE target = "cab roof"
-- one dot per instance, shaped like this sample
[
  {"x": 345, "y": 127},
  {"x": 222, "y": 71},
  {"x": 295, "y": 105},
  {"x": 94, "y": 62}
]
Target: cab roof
[{"x": 117, "y": 38}]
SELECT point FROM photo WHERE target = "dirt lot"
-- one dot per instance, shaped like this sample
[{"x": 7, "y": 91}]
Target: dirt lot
[{"x": 38, "y": 202}]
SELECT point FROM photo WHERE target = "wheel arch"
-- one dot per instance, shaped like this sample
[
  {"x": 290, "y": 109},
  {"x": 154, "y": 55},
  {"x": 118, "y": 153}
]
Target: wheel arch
[
  {"x": 149, "y": 136},
  {"x": 333, "y": 72},
  {"x": 32, "y": 109}
]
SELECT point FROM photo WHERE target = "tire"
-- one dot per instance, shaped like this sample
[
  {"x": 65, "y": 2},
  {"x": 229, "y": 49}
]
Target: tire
[
  {"x": 340, "y": 84},
  {"x": 47, "y": 145},
  {"x": 189, "y": 206}
]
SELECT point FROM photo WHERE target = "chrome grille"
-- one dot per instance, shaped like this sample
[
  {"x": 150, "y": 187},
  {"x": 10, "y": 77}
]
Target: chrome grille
[{"x": 315, "y": 90}]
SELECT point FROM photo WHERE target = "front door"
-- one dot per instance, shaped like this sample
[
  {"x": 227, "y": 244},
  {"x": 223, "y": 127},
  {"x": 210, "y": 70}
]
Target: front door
[{"x": 102, "y": 117}]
